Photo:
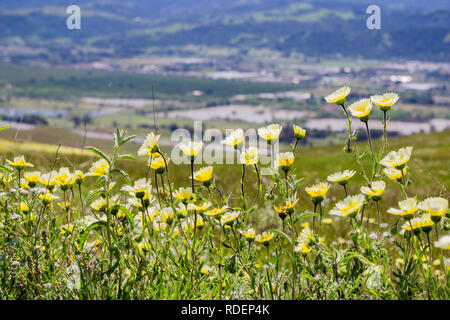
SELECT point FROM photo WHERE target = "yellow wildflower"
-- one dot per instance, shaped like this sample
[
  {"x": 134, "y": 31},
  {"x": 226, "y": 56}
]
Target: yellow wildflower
[
  {"x": 150, "y": 145},
  {"x": 19, "y": 163},
  {"x": 234, "y": 139},
  {"x": 397, "y": 159},
  {"x": 338, "y": 97},
  {"x": 99, "y": 168},
  {"x": 270, "y": 132},
  {"x": 348, "y": 207},
  {"x": 250, "y": 157},
  {"x": 385, "y": 101},
  {"x": 299, "y": 132},
  {"x": 204, "y": 175},
  {"x": 361, "y": 109}
]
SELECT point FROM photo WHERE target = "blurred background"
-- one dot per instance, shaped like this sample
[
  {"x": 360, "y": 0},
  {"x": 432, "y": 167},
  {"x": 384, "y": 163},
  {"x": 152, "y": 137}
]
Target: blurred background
[{"x": 230, "y": 63}]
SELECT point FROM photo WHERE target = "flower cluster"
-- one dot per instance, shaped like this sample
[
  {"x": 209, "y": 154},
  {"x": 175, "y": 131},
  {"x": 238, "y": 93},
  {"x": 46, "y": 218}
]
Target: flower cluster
[{"x": 176, "y": 235}]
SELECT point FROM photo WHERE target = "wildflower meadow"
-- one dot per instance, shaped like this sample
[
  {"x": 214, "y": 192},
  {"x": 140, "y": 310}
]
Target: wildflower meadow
[{"x": 105, "y": 233}]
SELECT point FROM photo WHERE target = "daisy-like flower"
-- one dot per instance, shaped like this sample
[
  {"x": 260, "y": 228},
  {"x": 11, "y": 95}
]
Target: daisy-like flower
[
  {"x": 407, "y": 209},
  {"x": 385, "y": 101},
  {"x": 414, "y": 225},
  {"x": 375, "y": 191},
  {"x": 24, "y": 184},
  {"x": 270, "y": 132},
  {"x": 157, "y": 163},
  {"x": 167, "y": 215},
  {"x": 189, "y": 224},
  {"x": 435, "y": 206},
  {"x": 100, "y": 204},
  {"x": 153, "y": 212},
  {"x": 5, "y": 179},
  {"x": 305, "y": 237},
  {"x": 250, "y": 157},
  {"x": 397, "y": 159},
  {"x": 47, "y": 198},
  {"x": 264, "y": 238},
  {"x": 139, "y": 188},
  {"x": 443, "y": 243},
  {"x": 302, "y": 249},
  {"x": 338, "y": 97},
  {"x": 159, "y": 226},
  {"x": 32, "y": 178},
  {"x": 150, "y": 145},
  {"x": 286, "y": 209},
  {"x": 249, "y": 234},
  {"x": 216, "y": 212},
  {"x": 144, "y": 247},
  {"x": 66, "y": 229},
  {"x": 79, "y": 176},
  {"x": 185, "y": 195},
  {"x": 199, "y": 207},
  {"x": 361, "y": 109},
  {"x": 48, "y": 180},
  {"x": 19, "y": 163},
  {"x": 24, "y": 208},
  {"x": 205, "y": 270},
  {"x": 64, "y": 205},
  {"x": 99, "y": 168},
  {"x": 341, "y": 177},
  {"x": 285, "y": 160},
  {"x": 317, "y": 192},
  {"x": 394, "y": 174},
  {"x": 299, "y": 132},
  {"x": 229, "y": 218},
  {"x": 204, "y": 175},
  {"x": 426, "y": 223},
  {"x": 191, "y": 148},
  {"x": 64, "y": 179},
  {"x": 135, "y": 202},
  {"x": 234, "y": 139},
  {"x": 348, "y": 207}
]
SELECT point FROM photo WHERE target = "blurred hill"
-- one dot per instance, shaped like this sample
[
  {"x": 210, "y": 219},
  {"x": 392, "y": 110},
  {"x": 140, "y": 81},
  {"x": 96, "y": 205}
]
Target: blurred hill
[{"x": 332, "y": 29}]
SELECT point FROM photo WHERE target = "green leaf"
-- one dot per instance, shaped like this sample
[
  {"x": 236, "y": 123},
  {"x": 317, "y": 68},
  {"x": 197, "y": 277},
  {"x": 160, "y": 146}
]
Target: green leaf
[
  {"x": 116, "y": 264},
  {"x": 96, "y": 225},
  {"x": 100, "y": 181},
  {"x": 226, "y": 245},
  {"x": 3, "y": 261},
  {"x": 6, "y": 168},
  {"x": 127, "y": 139},
  {"x": 126, "y": 156},
  {"x": 117, "y": 137},
  {"x": 92, "y": 195},
  {"x": 99, "y": 153},
  {"x": 306, "y": 215},
  {"x": 13, "y": 243},
  {"x": 124, "y": 175},
  {"x": 281, "y": 233},
  {"x": 128, "y": 214}
]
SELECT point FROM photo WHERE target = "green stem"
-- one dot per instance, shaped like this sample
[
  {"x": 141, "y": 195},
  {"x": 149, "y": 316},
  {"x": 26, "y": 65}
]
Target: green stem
[
  {"x": 192, "y": 175},
  {"x": 345, "y": 189},
  {"x": 385, "y": 130},
  {"x": 242, "y": 186}
]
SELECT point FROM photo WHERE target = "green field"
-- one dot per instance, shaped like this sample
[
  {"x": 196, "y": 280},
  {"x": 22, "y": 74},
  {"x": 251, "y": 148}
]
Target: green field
[{"x": 64, "y": 84}]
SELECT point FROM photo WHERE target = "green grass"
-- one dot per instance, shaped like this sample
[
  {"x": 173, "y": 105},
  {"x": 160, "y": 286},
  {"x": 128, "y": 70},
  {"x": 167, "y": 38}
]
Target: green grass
[
  {"x": 125, "y": 259},
  {"x": 57, "y": 83}
]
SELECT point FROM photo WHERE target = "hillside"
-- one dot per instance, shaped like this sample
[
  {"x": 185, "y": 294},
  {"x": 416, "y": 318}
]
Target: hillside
[{"x": 418, "y": 31}]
